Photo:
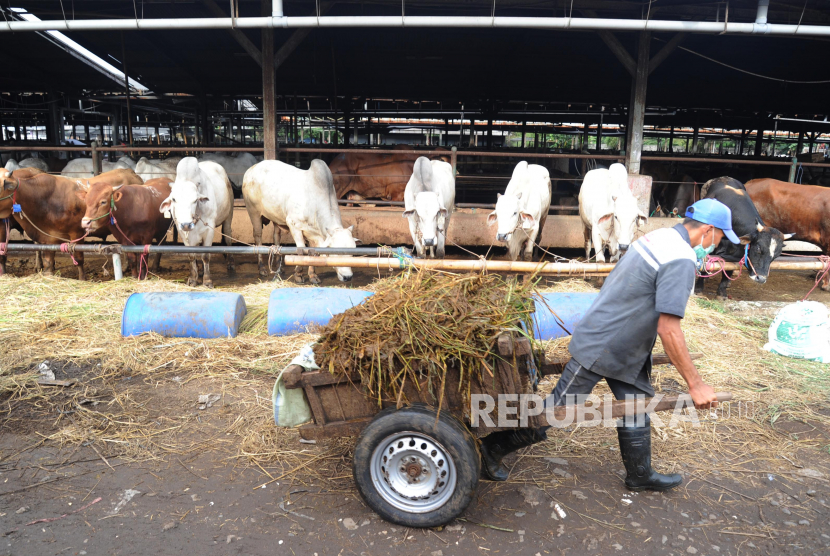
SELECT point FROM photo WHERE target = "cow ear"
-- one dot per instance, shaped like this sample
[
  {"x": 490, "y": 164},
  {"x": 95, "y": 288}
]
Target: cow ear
[
  {"x": 165, "y": 204},
  {"x": 491, "y": 218},
  {"x": 351, "y": 228},
  {"x": 788, "y": 236},
  {"x": 203, "y": 199},
  {"x": 80, "y": 194},
  {"x": 519, "y": 195},
  {"x": 117, "y": 196},
  {"x": 356, "y": 240},
  {"x": 745, "y": 240},
  {"x": 642, "y": 219},
  {"x": 527, "y": 220},
  {"x": 444, "y": 212},
  {"x": 408, "y": 213}
]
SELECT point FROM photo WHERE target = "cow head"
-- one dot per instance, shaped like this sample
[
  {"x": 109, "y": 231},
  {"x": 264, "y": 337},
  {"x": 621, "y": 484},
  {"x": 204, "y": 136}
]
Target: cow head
[
  {"x": 510, "y": 217},
  {"x": 627, "y": 219},
  {"x": 430, "y": 214},
  {"x": 341, "y": 237},
  {"x": 99, "y": 199},
  {"x": 765, "y": 245},
  {"x": 183, "y": 203},
  {"x": 7, "y": 186}
]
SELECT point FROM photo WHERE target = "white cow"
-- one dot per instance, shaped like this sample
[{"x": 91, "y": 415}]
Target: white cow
[
  {"x": 39, "y": 163},
  {"x": 149, "y": 169},
  {"x": 302, "y": 202},
  {"x": 78, "y": 168},
  {"x": 201, "y": 199},
  {"x": 609, "y": 211},
  {"x": 522, "y": 210},
  {"x": 235, "y": 166},
  {"x": 429, "y": 200}
]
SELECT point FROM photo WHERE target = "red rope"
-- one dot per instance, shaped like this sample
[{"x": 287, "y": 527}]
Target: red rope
[
  {"x": 822, "y": 274},
  {"x": 142, "y": 261},
  {"x": 70, "y": 247}
]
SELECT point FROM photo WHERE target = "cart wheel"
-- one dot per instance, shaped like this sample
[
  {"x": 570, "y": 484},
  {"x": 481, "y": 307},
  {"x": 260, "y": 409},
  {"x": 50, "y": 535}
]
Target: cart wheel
[{"x": 414, "y": 471}]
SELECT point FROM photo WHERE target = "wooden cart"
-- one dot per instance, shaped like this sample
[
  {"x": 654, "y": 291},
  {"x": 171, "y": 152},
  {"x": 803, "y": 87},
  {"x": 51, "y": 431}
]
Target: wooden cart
[{"x": 416, "y": 466}]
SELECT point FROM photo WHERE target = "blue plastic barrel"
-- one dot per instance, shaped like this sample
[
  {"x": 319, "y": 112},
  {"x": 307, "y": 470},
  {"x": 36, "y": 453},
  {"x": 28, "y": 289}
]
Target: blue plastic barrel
[
  {"x": 291, "y": 310},
  {"x": 184, "y": 314},
  {"x": 569, "y": 307}
]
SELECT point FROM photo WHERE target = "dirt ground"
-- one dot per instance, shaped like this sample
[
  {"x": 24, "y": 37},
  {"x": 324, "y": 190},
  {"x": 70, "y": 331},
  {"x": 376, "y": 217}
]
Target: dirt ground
[{"x": 198, "y": 495}]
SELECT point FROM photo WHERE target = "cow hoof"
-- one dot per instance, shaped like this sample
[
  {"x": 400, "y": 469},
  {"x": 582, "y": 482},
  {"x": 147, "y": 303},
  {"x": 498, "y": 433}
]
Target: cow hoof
[
  {"x": 298, "y": 279},
  {"x": 314, "y": 279},
  {"x": 208, "y": 283},
  {"x": 825, "y": 287},
  {"x": 192, "y": 282},
  {"x": 231, "y": 270},
  {"x": 722, "y": 297},
  {"x": 263, "y": 272}
]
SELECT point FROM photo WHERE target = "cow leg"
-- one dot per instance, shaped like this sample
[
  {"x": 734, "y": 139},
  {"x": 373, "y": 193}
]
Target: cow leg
[
  {"x": 278, "y": 272},
  {"x": 699, "y": 283},
  {"x": 226, "y": 231},
  {"x": 724, "y": 284},
  {"x": 529, "y": 247},
  {"x": 586, "y": 233},
  {"x": 38, "y": 261},
  {"x": 598, "y": 247},
  {"x": 300, "y": 242},
  {"x": 419, "y": 246},
  {"x": 155, "y": 266},
  {"x": 257, "y": 222},
  {"x": 48, "y": 263},
  {"x": 208, "y": 240},
  {"x": 825, "y": 283},
  {"x": 193, "y": 280},
  {"x": 134, "y": 260},
  {"x": 79, "y": 256},
  {"x": 441, "y": 250}
]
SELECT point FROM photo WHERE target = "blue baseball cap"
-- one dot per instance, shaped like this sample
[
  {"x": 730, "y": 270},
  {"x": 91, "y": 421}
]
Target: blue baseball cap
[{"x": 711, "y": 211}]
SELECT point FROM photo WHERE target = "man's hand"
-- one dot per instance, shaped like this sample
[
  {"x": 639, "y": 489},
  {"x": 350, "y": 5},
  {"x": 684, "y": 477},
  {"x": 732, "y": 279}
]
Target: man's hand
[
  {"x": 674, "y": 342},
  {"x": 703, "y": 396}
]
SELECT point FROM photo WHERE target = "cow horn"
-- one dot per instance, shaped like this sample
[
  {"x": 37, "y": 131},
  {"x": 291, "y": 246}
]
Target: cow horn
[
  {"x": 759, "y": 226},
  {"x": 117, "y": 187}
]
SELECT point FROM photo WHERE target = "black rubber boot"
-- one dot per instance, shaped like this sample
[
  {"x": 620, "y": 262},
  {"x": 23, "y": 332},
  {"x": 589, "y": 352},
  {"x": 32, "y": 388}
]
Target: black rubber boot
[
  {"x": 498, "y": 444},
  {"x": 635, "y": 448}
]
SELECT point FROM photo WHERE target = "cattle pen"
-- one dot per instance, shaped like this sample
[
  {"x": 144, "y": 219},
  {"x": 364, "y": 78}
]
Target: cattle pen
[{"x": 155, "y": 412}]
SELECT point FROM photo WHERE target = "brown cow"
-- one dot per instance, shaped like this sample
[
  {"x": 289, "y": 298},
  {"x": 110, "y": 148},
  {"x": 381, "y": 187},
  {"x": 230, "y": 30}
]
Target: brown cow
[
  {"x": 119, "y": 176},
  {"x": 368, "y": 175},
  {"x": 135, "y": 210},
  {"x": 7, "y": 223},
  {"x": 801, "y": 209},
  {"x": 51, "y": 213}
]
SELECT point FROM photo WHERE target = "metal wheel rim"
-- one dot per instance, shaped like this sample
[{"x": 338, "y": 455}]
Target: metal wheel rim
[{"x": 394, "y": 469}]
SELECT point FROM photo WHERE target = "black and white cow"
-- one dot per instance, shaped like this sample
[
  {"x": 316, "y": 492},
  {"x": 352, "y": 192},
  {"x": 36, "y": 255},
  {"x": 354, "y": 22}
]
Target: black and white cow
[{"x": 760, "y": 242}]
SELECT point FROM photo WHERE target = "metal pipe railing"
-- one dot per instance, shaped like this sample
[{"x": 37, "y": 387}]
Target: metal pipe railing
[
  {"x": 398, "y": 258},
  {"x": 560, "y": 23}
]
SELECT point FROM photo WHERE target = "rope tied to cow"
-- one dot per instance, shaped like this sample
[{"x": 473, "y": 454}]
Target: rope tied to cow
[
  {"x": 821, "y": 275},
  {"x": 275, "y": 251},
  {"x": 713, "y": 265}
]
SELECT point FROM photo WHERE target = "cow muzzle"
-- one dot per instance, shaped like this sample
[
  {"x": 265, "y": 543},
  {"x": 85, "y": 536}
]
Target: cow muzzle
[
  {"x": 623, "y": 247},
  {"x": 186, "y": 226},
  {"x": 503, "y": 237},
  {"x": 429, "y": 242},
  {"x": 86, "y": 223},
  {"x": 759, "y": 279}
]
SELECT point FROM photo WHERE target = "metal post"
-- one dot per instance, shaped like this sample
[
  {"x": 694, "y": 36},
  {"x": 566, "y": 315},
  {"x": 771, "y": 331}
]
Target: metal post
[
  {"x": 524, "y": 123},
  {"x": 54, "y": 131},
  {"x": 489, "y": 133},
  {"x": 671, "y": 139},
  {"x": 599, "y": 134},
  {"x": 793, "y": 169},
  {"x": 454, "y": 160},
  {"x": 347, "y": 112},
  {"x": 116, "y": 266},
  {"x": 585, "y": 136},
  {"x": 127, "y": 92},
  {"x": 637, "y": 109},
  {"x": 96, "y": 159},
  {"x": 759, "y": 141},
  {"x": 269, "y": 116},
  {"x": 800, "y": 146}
]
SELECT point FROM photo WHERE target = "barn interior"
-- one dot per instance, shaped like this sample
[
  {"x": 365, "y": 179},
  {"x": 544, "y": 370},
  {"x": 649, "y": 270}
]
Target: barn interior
[{"x": 705, "y": 99}]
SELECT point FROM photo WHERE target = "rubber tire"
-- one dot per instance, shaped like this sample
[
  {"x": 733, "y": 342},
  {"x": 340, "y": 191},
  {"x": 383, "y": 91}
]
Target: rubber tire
[{"x": 450, "y": 432}]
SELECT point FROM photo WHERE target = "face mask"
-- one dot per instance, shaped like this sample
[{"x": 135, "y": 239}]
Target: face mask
[{"x": 701, "y": 252}]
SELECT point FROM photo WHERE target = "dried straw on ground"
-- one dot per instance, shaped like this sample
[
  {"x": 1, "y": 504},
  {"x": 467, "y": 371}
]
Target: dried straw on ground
[{"x": 140, "y": 402}]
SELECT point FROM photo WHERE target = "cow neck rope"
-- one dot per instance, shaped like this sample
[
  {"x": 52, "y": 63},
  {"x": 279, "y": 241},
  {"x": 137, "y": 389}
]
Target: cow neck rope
[
  {"x": 143, "y": 258},
  {"x": 822, "y": 274},
  {"x": 709, "y": 270}
]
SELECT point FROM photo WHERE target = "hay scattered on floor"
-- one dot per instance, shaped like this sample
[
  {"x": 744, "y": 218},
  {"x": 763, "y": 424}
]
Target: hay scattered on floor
[{"x": 420, "y": 327}]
